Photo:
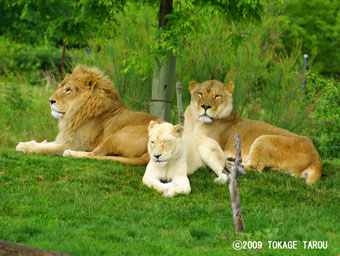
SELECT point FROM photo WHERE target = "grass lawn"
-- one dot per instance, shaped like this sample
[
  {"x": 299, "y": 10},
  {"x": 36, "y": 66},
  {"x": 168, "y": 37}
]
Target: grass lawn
[{"x": 91, "y": 207}]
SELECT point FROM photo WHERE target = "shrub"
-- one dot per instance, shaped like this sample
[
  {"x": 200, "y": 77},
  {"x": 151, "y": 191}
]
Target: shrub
[
  {"x": 18, "y": 58},
  {"x": 325, "y": 97}
]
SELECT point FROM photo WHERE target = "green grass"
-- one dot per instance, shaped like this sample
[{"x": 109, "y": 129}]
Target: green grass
[{"x": 91, "y": 207}]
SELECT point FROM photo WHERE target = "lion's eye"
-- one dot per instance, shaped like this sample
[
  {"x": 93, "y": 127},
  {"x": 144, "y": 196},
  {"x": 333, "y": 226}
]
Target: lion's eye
[
  {"x": 199, "y": 94},
  {"x": 152, "y": 142},
  {"x": 217, "y": 97},
  {"x": 164, "y": 142},
  {"x": 68, "y": 90}
]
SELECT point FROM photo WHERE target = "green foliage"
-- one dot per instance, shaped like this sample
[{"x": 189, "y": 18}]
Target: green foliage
[
  {"x": 72, "y": 21},
  {"x": 262, "y": 72},
  {"x": 127, "y": 56},
  {"x": 186, "y": 17},
  {"x": 25, "y": 114},
  {"x": 19, "y": 59},
  {"x": 316, "y": 23},
  {"x": 16, "y": 102},
  {"x": 325, "y": 97},
  {"x": 12, "y": 26}
]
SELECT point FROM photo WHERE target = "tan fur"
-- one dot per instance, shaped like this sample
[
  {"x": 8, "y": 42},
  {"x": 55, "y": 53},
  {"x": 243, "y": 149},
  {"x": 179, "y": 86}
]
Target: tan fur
[
  {"x": 263, "y": 145},
  {"x": 174, "y": 156},
  {"x": 93, "y": 122}
]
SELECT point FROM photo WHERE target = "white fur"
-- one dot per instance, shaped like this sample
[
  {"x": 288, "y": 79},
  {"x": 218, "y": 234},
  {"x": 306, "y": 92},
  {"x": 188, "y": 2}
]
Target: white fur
[
  {"x": 205, "y": 119},
  {"x": 186, "y": 154},
  {"x": 55, "y": 113}
]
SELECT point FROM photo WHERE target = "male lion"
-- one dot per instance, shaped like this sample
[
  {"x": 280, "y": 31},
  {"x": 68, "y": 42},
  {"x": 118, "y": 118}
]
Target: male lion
[
  {"x": 174, "y": 156},
  {"x": 263, "y": 145},
  {"x": 93, "y": 118}
]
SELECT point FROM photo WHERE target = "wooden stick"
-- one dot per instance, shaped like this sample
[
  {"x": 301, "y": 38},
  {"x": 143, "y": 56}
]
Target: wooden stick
[
  {"x": 236, "y": 169},
  {"x": 179, "y": 103}
]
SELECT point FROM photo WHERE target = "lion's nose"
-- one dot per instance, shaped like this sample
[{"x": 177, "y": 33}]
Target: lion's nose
[
  {"x": 206, "y": 107},
  {"x": 52, "y": 101},
  {"x": 157, "y": 156}
]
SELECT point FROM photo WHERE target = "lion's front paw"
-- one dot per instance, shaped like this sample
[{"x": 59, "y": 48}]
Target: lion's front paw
[
  {"x": 169, "y": 193},
  {"x": 68, "y": 152},
  {"x": 27, "y": 147},
  {"x": 222, "y": 179},
  {"x": 78, "y": 154}
]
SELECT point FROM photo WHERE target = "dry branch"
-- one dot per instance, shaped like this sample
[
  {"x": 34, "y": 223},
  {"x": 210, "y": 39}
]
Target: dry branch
[{"x": 236, "y": 169}]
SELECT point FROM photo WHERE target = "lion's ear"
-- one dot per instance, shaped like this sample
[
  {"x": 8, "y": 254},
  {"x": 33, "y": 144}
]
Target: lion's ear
[
  {"x": 229, "y": 87},
  {"x": 178, "y": 130},
  {"x": 152, "y": 125},
  {"x": 90, "y": 82},
  {"x": 193, "y": 85}
]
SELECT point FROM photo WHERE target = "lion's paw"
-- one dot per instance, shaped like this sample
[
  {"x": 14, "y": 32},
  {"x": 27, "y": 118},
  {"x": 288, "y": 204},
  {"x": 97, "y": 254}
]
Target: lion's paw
[
  {"x": 222, "y": 179},
  {"x": 68, "y": 152},
  {"x": 26, "y": 147},
  {"x": 169, "y": 193},
  {"x": 77, "y": 154}
]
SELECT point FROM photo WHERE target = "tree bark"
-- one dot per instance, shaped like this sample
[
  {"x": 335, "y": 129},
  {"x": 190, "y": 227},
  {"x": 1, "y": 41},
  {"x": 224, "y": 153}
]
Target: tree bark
[
  {"x": 162, "y": 87},
  {"x": 163, "y": 73},
  {"x": 165, "y": 8}
]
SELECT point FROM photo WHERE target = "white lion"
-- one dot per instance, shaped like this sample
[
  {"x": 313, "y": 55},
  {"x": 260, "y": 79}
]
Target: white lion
[{"x": 174, "y": 156}]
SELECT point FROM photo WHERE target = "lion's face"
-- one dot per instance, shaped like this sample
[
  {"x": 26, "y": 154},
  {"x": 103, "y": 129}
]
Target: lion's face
[
  {"x": 87, "y": 89},
  {"x": 211, "y": 100},
  {"x": 165, "y": 142},
  {"x": 69, "y": 91}
]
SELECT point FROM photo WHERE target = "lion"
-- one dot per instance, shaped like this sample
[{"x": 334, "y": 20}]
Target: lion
[
  {"x": 93, "y": 122},
  {"x": 174, "y": 156},
  {"x": 263, "y": 145}
]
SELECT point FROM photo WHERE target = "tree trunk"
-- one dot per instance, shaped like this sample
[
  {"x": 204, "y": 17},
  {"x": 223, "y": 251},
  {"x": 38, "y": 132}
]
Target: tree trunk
[
  {"x": 163, "y": 73},
  {"x": 162, "y": 84},
  {"x": 62, "y": 62}
]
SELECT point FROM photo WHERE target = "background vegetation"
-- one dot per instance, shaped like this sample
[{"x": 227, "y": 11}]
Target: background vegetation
[{"x": 44, "y": 197}]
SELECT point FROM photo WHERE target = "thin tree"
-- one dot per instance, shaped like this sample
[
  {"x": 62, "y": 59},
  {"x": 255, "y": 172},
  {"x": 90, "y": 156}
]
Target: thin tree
[{"x": 164, "y": 71}]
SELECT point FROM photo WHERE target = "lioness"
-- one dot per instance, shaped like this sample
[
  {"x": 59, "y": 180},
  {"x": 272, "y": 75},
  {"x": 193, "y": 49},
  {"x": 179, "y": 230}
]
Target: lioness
[
  {"x": 174, "y": 156},
  {"x": 92, "y": 118},
  {"x": 263, "y": 145}
]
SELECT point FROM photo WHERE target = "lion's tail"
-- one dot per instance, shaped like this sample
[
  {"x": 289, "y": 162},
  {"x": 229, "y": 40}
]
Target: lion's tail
[{"x": 142, "y": 160}]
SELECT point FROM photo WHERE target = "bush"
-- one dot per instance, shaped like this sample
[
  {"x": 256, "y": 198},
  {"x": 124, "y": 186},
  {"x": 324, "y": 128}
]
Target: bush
[
  {"x": 325, "y": 97},
  {"x": 267, "y": 80},
  {"x": 18, "y": 58},
  {"x": 316, "y": 23}
]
